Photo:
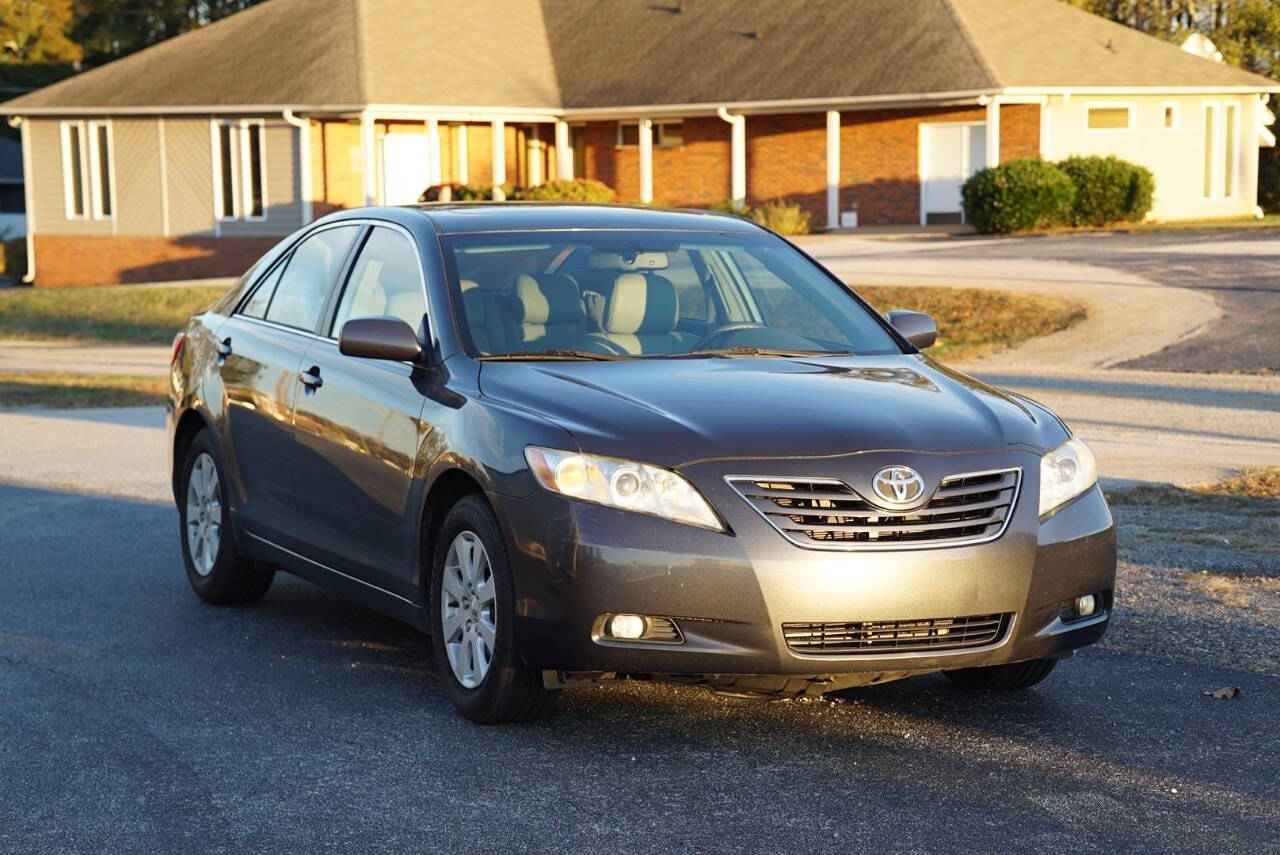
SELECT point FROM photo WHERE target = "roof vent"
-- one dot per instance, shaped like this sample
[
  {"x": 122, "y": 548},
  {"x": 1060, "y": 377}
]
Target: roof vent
[
  {"x": 674, "y": 7},
  {"x": 754, "y": 35}
]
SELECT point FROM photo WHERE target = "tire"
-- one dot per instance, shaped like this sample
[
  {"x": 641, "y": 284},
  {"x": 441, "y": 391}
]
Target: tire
[
  {"x": 476, "y": 606},
  {"x": 1003, "y": 678},
  {"x": 217, "y": 573}
]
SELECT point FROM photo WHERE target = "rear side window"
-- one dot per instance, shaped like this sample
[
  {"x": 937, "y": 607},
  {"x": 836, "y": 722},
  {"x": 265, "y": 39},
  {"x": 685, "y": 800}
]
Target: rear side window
[
  {"x": 308, "y": 278},
  {"x": 386, "y": 281},
  {"x": 257, "y": 305}
]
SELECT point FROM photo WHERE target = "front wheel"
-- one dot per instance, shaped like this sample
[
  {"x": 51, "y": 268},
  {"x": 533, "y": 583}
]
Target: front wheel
[
  {"x": 217, "y": 573},
  {"x": 1015, "y": 675},
  {"x": 473, "y": 633}
]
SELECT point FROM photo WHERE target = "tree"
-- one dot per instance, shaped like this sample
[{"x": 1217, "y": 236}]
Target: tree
[
  {"x": 34, "y": 32},
  {"x": 109, "y": 29}
]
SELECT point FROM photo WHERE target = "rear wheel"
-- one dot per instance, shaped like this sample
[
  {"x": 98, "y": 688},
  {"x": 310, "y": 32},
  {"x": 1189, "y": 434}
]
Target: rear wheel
[
  {"x": 473, "y": 633},
  {"x": 217, "y": 573},
  {"x": 1015, "y": 675}
]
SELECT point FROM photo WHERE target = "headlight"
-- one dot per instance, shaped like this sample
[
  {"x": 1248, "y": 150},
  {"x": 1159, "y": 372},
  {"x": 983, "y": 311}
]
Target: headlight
[
  {"x": 1065, "y": 473},
  {"x": 621, "y": 484}
]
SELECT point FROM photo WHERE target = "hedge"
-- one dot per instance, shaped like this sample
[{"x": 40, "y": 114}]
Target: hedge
[
  {"x": 577, "y": 190},
  {"x": 1030, "y": 193},
  {"x": 1108, "y": 190},
  {"x": 779, "y": 215},
  {"x": 1021, "y": 194}
]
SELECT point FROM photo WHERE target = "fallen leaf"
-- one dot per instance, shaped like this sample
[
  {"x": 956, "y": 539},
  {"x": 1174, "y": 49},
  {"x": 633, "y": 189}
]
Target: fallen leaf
[{"x": 1226, "y": 693}]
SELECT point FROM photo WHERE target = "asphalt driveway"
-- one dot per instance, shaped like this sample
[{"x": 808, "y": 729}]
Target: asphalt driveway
[
  {"x": 134, "y": 718},
  {"x": 1239, "y": 269}
]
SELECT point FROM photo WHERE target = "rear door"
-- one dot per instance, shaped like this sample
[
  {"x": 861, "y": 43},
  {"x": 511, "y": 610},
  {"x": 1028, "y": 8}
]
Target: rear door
[
  {"x": 358, "y": 427},
  {"x": 260, "y": 351}
]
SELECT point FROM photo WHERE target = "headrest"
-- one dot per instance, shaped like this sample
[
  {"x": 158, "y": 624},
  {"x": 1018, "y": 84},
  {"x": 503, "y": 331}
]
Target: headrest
[
  {"x": 641, "y": 303},
  {"x": 474, "y": 303},
  {"x": 551, "y": 298}
]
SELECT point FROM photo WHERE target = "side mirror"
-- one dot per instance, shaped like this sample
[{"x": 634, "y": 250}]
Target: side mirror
[
  {"x": 916, "y": 327},
  {"x": 379, "y": 338}
]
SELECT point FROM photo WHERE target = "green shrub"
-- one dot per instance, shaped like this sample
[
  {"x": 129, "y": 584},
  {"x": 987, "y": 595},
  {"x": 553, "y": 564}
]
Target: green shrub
[
  {"x": 566, "y": 190},
  {"x": 1026, "y": 193},
  {"x": 783, "y": 217},
  {"x": 728, "y": 206},
  {"x": 1108, "y": 190},
  {"x": 13, "y": 261},
  {"x": 462, "y": 192}
]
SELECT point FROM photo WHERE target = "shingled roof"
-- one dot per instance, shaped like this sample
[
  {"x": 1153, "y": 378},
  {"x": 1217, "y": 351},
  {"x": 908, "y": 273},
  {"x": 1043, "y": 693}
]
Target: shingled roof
[{"x": 579, "y": 54}]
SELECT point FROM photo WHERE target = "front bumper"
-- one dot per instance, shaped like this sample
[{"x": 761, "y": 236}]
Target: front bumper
[{"x": 731, "y": 593}]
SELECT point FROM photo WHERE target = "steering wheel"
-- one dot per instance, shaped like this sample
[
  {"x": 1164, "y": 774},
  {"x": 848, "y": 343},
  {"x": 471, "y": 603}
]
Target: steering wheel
[{"x": 720, "y": 336}]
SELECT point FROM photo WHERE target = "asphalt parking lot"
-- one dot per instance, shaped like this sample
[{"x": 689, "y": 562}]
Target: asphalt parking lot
[{"x": 132, "y": 717}]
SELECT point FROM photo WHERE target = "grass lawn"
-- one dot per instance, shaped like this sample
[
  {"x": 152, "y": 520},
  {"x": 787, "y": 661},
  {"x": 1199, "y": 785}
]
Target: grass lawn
[
  {"x": 134, "y": 314},
  {"x": 974, "y": 322},
  {"x": 64, "y": 391}
]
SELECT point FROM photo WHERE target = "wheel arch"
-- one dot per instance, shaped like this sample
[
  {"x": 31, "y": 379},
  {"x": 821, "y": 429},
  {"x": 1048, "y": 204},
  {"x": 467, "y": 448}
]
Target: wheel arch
[
  {"x": 190, "y": 423},
  {"x": 449, "y": 486}
]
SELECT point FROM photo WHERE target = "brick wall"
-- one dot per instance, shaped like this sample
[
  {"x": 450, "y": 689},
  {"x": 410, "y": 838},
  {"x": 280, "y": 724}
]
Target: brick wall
[
  {"x": 787, "y": 158},
  {"x": 63, "y": 260}
]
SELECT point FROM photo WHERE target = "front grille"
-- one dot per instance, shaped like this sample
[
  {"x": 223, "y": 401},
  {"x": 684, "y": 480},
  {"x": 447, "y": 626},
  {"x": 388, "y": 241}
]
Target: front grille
[
  {"x": 827, "y": 514},
  {"x": 896, "y": 636}
]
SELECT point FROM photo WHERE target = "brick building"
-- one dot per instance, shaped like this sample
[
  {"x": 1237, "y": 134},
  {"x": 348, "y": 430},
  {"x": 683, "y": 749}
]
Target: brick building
[{"x": 191, "y": 157}]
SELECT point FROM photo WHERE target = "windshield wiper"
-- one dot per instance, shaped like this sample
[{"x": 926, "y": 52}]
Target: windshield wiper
[
  {"x": 558, "y": 354},
  {"x": 750, "y": 350}
]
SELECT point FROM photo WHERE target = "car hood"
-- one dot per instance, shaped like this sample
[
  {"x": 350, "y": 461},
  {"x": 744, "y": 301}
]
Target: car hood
[{"x": 676, "y": 411}]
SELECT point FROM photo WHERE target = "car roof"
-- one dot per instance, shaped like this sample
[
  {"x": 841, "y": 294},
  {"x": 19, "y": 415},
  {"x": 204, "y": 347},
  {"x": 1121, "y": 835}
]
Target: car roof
[{"x": 451, "y": 218}]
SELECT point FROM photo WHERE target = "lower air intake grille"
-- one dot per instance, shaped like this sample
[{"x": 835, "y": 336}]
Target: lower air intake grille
[
  {"x": 895, "y": 636},
  {"x": 820, "y": 513}
]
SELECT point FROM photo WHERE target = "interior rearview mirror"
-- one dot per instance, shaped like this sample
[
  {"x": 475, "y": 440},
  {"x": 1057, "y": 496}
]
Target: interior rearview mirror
[
  {"x": 916, "y": 327},
  {"x": 379, "y": 338}
]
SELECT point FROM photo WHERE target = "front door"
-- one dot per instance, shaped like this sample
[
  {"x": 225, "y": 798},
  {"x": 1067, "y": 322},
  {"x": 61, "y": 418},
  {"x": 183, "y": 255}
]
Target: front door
[
  {"x": 949, "y": 153},
  {"x": 404, "y": 167},
  {"x": 358, "y": 426}
]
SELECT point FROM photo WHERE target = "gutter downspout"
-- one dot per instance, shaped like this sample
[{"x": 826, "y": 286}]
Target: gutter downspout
[
  {"x": 737, "y": 156},
  {"x": 304, "y": 161},
  {"x": 28, "y": 201}
]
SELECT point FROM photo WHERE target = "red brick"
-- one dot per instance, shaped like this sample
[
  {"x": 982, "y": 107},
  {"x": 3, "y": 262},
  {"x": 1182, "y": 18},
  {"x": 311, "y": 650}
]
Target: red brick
[{"x": 63, "y": 260}]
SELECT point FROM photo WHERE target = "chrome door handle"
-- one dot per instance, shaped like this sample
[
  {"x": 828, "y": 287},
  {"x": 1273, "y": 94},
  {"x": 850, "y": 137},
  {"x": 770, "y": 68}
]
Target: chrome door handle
[{"x": 311, "y": 377}]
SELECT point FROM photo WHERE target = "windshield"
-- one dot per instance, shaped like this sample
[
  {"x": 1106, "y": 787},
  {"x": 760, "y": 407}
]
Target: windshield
[{"x": 650, "y": 294}]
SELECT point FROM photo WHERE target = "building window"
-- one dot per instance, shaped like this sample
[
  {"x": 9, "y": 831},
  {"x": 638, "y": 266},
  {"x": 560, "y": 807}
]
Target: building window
[
  {"x": 1210, "y": 158},
  {"x": 87, "y": 170},
  {"x": 239, "y": 171},
  {"x": 666, "y": 134},
  {"x": 1229, "y": 151},
  {"x": 1109, "y": 118},
  {"x": 1171, "y": 115}
]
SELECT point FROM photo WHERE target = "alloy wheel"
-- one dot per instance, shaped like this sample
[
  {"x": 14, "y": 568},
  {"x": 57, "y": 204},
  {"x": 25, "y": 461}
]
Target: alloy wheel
[
  {"x": 469, "y": 610},
  {"x": 204, "y": 514}
]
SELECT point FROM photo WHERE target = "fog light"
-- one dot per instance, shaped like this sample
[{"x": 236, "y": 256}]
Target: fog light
[
  {"x": 626, "y": 626},
  {"x": 1086, "y": 605}
]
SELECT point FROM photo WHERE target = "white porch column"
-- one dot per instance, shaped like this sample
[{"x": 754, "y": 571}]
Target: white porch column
[
  {"x": 433, "y": 151},
  {"x": 370, "y": 162},
  {"x": 833, "y": 169},
  {"x": 533, "y": 157},
  {"x": 564, "y": 152},
  {"x": 499, "y": 153},
  {"x": 737, "y": 156},
  {"x": 993, "y": 132},
  {"x": 646, "y": 160}
]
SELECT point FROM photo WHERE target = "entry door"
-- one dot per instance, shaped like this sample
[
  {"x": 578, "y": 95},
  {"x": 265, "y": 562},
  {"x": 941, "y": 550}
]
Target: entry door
[
  {"x": 950, "y": 153},
  {"x": 404, "y": 167}
]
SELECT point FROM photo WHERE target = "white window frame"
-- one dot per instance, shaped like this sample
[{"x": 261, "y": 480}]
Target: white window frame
[
  {"x": 1131, "y": 106},
  {"x": 1210, "y": 135},
  {"x": 658, "y": 125},
  {"x": 1176, "y": 109},
  {"x": 1230, "y": 154},
  {"x": 90, "y": 166},
  {"x": 241, "y": 169}
]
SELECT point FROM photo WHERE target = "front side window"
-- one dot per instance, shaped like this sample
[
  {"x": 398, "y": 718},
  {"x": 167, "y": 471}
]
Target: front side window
[
  {"x": 386, "y": 281},
  {"x": 240, "y": 187},
  {"x": 87, "y": 158},
  {"x": 308, "y": 277},
  {"x": 650, "y": 295}
]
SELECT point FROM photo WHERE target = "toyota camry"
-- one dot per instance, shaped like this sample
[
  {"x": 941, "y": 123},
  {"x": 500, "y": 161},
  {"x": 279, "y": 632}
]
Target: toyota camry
[{"x": 580, "y": 444}]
